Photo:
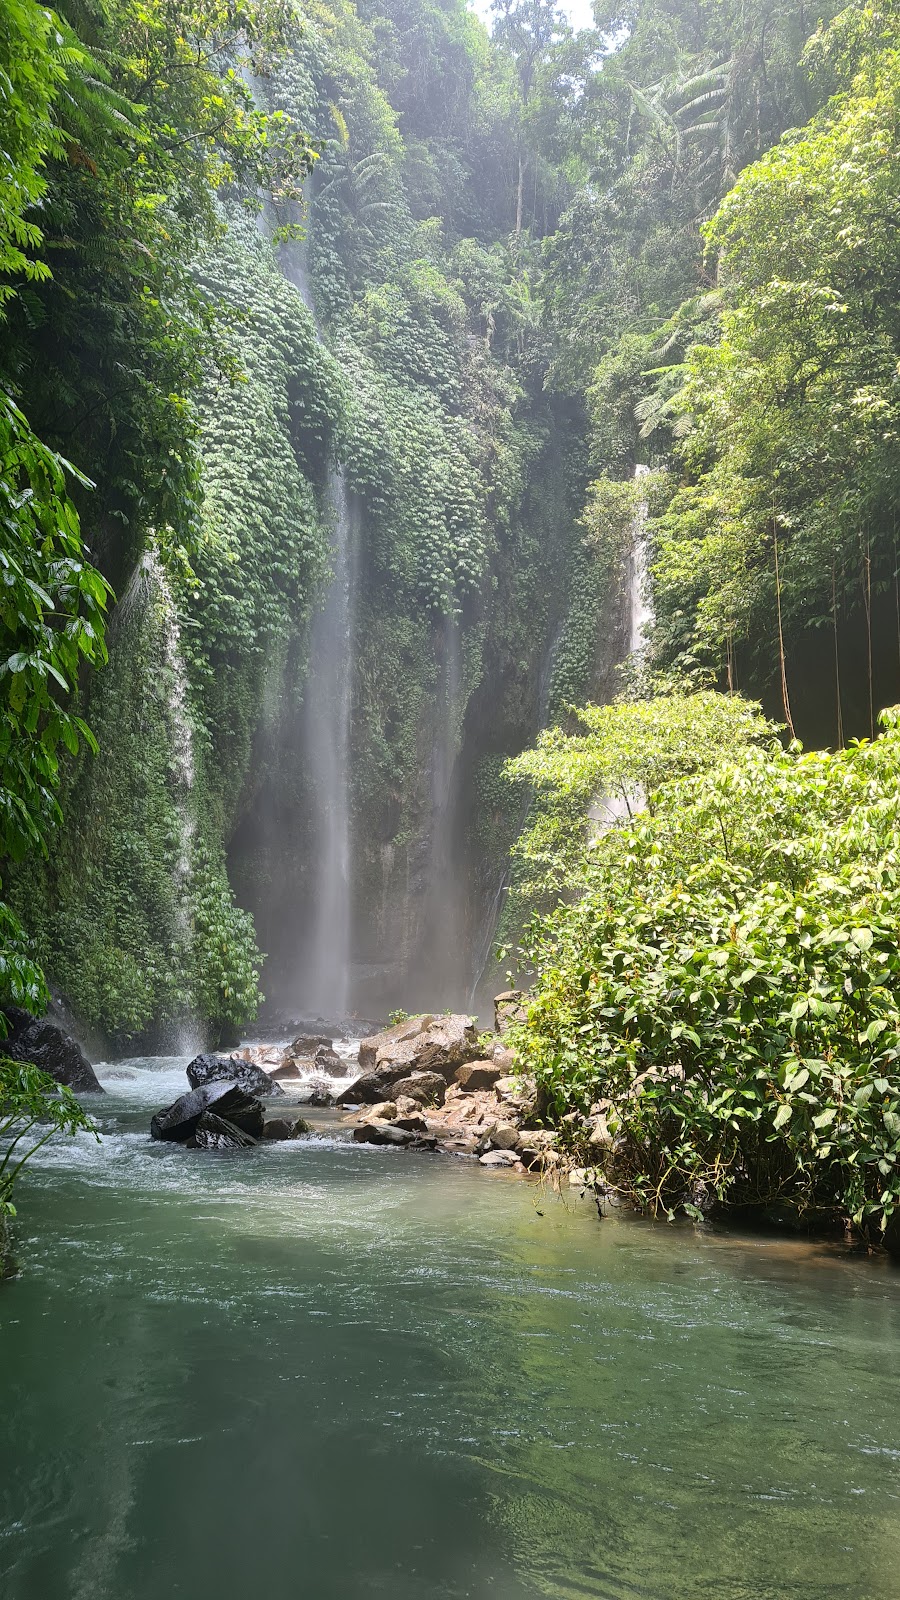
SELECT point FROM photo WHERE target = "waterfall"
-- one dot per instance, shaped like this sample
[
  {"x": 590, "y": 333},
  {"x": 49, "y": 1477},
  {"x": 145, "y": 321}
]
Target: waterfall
[
  {"x": 327, "y": 712},
  {"x": 324, "y": 983},
  {"x": 640, "y": 609},
  {"x": 608, "y": 809},
  {"x": 441, "y": 956}
]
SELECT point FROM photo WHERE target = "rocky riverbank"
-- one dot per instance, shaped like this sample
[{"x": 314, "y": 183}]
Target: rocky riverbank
[{"x": 430, "y": 1083}]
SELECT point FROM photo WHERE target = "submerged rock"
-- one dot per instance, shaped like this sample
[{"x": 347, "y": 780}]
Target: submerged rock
[
  {"x": 216, "y": 1133},
  {"x": 233, "y": 1069},
  {"x": 178, "y": 1122},
  {"x": 49, "y": 1047}
]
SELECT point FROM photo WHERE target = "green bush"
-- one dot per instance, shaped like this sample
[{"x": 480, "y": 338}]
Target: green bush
[{"x": 726, "y": 990}]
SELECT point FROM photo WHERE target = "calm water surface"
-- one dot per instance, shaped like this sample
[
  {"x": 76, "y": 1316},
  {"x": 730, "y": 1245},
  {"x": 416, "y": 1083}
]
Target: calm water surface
[{"x": 331, "y": 1372}]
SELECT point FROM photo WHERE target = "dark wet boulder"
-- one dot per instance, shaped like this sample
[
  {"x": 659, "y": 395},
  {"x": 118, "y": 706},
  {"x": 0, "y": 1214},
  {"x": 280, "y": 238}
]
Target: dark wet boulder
[
  {"x": 49, "y": 1047},
  {"x": 328, "y": 1060},
  {"x": 307, "y": 1044},
  {"x": 366, "y": 1091},
  {"x": 232, "y": 1069},
  {"x": 215, "y": 1133},
  {"x": 285, "y": 1128},
  {"x": 178, "y": 1122}
]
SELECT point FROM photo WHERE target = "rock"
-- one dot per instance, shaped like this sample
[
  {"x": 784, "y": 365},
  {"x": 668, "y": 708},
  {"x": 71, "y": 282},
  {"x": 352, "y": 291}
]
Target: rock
[
  {"x": 179, "y": 1120},
  {"x": 381, "y": 1133},
  {"x": 285, "y": 1128},
  {"x": 385, "y": 1111},
  {"x": 505, "y": 1136},
  {"x": 215, "y": 1133},
  {"x": 289, "y": 1067},
  {"x": 499, "y": 1158},
  {"x": 49, "y": 1047},
  {"x": 503, "y": 1058},
  {"x": 308, "y": 1044},
  {"x": 423, "y": 1044},
  {"x": 367, "y": 1090},
  {"x": 328, "y": 1060},
  {"x": 478, "y": 1075},
  {"x": 509, "y": 1007},
  {"x": 402, "y": 1031},
  {"x": 426, "y": 1088},
  {"x": 319, "y": 1094},
  {"x": 246, "y": 1074},
  {"x": 600, "y": 1134},
  {"x": 412, "y": 1124}
]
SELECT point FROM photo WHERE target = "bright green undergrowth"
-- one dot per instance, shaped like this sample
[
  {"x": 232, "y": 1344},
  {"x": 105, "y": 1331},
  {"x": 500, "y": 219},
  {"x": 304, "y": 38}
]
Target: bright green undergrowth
[{"x": 725, "y": 988}]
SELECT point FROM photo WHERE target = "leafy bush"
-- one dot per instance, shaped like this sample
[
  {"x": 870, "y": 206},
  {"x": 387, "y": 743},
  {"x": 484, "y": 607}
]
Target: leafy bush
[
  {"x": 33, "y": 1108},
  {"x": 725, "y": 994}
]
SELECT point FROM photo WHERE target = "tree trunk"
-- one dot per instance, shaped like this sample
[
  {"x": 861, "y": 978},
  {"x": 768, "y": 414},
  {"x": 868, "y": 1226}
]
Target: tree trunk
[{"x": 520, "y": 195}]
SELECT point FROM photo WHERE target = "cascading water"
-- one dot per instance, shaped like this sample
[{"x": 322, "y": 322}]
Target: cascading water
[
  {"x": 441, "y": 951},
  {"x": 326, "y": 723},
  {"x": 607, "y": 809},
  {"x": 324, "y": 983}
]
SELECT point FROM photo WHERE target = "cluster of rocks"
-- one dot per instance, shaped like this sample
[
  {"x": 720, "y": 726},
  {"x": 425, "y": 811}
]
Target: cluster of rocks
[
  {"x": 223, "y": 1109},
  {"x": 429, "y": 1084}
]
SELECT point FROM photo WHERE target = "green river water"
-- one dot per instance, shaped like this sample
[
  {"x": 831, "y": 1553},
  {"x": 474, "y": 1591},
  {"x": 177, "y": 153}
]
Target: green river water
[{"x": 331, "y": 1372}]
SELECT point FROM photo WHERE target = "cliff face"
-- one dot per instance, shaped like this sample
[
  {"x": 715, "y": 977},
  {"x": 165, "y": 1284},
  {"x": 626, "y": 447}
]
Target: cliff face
[{"x": 305, "y": 716}]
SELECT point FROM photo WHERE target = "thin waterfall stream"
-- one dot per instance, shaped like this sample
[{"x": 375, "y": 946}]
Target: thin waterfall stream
[{"x": 325, "y": 725}]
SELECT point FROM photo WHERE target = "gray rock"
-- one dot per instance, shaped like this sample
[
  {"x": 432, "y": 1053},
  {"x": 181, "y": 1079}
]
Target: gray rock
[
  {"x": 309, "y": 1043},
  {"x": 505, "y": 1136},
  {"x": 381, "y": 1133},
  {"x": 426, "y": 1088},
  {"x": 285, "y": 1128},
  {"x": 422, "y": 1044},
  {"x": 216, "y": 1133},
  {"x": 249, "y": 1077},
  {"x": 509, "y": 1007},
  {"x": 49, "y": 1047},
  {"x": 328, "y": 1060},
  {"x": 178, "y": 1122},
  {"x": 478, "y": 1075},
  {"x": 499, "y": 1158}
]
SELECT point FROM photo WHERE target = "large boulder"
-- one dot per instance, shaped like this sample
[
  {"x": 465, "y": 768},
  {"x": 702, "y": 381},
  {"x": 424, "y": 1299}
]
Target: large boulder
[
  {"x": 49, "y": 1047},
  {"x": 426, "y": 1088},
  {"x": 215, "y": 1133},
  {"x": 421, "y": 1044},
  {"x": 231, "y": 1069},
  {"x": 478, "y": 1075},
  {"x": 178, "y": 1122}
]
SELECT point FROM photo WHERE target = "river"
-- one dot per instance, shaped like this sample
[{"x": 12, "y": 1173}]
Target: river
[{"x": 328, "y": 1372}]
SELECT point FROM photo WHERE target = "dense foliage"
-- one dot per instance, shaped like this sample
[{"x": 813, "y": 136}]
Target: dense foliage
[{"x": 724, "y": 996}]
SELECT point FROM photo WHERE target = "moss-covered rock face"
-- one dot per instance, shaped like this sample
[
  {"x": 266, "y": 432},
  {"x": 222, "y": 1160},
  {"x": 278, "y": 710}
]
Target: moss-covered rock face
[{"x": 417, "y": 385}]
